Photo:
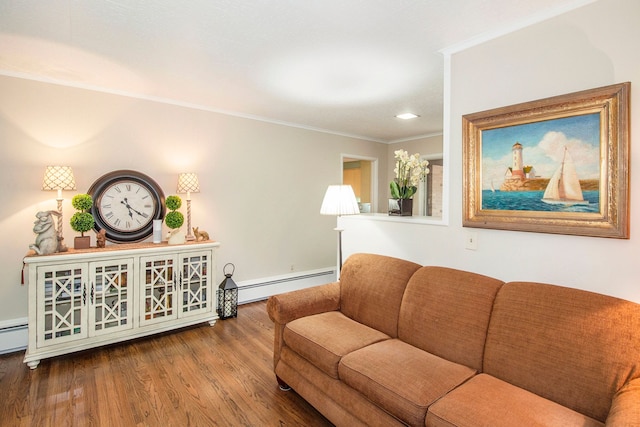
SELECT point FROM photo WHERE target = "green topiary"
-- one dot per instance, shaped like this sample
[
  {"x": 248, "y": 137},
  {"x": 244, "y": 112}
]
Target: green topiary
[
  {"x": 82, "y": 202},
  {"x": 82, "y": 221},
  {"x": 174, "y": 219},
  {"x": 173, "y": 202}
]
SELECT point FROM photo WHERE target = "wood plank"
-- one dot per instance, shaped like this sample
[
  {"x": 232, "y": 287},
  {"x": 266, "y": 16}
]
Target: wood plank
[{"x": 197, "y": 376}]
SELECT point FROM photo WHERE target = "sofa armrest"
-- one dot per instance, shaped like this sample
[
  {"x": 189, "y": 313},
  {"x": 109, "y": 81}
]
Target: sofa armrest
[
  {"x": 625, "y": 408},
  {"x": 289, "y": 306},
  {"x": 284, "y": 308}
]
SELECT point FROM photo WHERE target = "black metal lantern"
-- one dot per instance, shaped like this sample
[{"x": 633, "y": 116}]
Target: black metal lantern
[{"x": 228, "y": 295}]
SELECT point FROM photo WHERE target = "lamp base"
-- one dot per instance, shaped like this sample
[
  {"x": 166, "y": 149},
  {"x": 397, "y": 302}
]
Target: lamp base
[
  {"x": 61, "y": 246},
  {"x": 339, "y": 230}
]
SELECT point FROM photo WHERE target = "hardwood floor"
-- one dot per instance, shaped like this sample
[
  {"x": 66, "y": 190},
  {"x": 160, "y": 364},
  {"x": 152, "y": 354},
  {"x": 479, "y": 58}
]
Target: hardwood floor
[{"x": 199, "y": 376}]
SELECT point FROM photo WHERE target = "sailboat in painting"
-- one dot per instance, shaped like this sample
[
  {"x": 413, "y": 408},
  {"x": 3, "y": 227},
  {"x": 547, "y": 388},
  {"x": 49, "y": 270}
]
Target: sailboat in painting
[{"x": 564, "y": 185}]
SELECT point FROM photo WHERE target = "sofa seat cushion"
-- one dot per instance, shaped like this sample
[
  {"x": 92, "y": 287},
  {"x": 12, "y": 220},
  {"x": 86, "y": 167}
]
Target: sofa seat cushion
[
  {"x": 400, "y": 378},
  {"x": 487, "y": 401},
  {"x": 323, "y": 339}
]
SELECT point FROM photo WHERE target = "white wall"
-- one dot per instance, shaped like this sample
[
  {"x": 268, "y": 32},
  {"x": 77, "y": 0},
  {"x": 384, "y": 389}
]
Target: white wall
[
  {"x": 590, "y": 47},
  {"x": 261, "y": 184}
]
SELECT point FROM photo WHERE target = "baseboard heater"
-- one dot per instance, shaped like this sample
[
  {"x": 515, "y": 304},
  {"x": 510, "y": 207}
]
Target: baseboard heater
[
  {"x": 256, "y": 290},
  {"x": 14, "y": 335}
]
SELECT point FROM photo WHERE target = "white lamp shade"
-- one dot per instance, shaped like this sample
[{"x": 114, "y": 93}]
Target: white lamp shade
[
  {"x": 339, "y": 200},
  {"x": 58, "y": 178},
  {"x": 188, "y": 183}
]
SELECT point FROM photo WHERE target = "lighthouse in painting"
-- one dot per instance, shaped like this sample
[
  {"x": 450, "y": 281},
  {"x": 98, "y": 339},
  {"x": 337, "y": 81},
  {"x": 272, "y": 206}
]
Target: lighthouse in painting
[
  {"x": 517, "y": 171},
  {"x": 519, "y": 177}
]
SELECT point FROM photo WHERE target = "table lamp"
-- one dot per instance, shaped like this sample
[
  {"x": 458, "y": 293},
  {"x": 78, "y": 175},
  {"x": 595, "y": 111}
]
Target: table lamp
[
  {"x": 59, "y": 178},
  {"x": 188, "y": 183}
]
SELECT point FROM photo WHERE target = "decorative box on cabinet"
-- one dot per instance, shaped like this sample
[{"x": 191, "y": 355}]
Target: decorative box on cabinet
[{"x": 87, "y": 298}]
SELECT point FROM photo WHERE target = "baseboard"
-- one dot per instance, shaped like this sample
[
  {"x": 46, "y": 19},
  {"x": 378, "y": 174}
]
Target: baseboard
[
  {"x": 255, "y": 290},
  {"x": 14, "y": 333}
]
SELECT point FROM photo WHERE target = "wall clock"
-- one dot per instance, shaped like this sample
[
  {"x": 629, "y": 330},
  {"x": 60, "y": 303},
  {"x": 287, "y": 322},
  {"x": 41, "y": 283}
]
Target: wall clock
[{"x": 125, "y": 203}]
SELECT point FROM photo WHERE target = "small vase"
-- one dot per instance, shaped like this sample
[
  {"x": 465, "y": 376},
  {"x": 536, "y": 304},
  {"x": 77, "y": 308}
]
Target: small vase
[
  {"x": 400, "y": 207},
  {"x": 82, "y": 242}
]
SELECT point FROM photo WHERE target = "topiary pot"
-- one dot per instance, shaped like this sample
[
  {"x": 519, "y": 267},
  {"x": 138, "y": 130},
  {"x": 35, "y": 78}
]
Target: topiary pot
[
  {"x": 82, "y": 242},
  {"x": 176, "y": 237}
]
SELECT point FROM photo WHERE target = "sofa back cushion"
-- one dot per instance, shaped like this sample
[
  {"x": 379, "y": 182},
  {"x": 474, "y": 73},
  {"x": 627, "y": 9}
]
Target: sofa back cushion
[
  {"x": 371, "y": 288},
  {"x": 571, "y": 346},
  {"x": 446, "y": 312}
]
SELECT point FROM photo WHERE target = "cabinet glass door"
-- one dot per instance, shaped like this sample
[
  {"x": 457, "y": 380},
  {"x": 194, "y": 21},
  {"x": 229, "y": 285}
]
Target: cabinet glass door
[
  {"x": 110, "y": 296},
  {"x": 157, "y": 279},
  {"x": 195, "y": 283},
  {"x": 62, "y": 299}
]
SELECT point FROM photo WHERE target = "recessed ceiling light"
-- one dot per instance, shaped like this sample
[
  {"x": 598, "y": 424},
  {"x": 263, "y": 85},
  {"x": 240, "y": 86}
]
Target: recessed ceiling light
[{"x": 407, "y": 116}]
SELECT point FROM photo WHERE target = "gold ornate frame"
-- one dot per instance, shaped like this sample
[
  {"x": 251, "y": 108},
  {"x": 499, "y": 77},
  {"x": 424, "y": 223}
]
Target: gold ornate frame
[{"x": 611, "y": 103}]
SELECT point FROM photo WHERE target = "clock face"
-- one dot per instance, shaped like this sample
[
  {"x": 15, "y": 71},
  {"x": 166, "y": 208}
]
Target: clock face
[{"x": 125, "y": 205}]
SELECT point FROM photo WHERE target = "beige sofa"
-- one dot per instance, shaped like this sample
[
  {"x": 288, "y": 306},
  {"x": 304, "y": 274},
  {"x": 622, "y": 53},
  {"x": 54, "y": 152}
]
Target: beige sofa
[{"x": 395, "y": 343}]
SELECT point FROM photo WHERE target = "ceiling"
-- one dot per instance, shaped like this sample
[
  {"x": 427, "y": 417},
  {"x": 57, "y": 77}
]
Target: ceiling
[{"x": 342, "y": 66}]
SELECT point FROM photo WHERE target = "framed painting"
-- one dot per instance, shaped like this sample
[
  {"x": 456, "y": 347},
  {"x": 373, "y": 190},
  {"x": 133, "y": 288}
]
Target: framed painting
[{"x": 556, "y": 165}]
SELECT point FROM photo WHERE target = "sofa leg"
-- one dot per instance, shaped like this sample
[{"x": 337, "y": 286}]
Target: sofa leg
[{"x": 282, "y": 385}]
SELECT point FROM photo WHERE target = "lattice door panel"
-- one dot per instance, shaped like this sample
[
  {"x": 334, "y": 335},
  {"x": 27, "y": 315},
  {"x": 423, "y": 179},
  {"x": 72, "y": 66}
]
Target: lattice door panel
[
  {"x": 110, "y": 296},
  {"x": 159, "y": 287},
  {"x": 63, "y": 298},
  {"x": 195, "y": 283}
]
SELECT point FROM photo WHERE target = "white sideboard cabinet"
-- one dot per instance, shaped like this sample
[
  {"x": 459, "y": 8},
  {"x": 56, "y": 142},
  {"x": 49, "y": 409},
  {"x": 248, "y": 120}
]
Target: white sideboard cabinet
[{"x": 82, "y": 299}]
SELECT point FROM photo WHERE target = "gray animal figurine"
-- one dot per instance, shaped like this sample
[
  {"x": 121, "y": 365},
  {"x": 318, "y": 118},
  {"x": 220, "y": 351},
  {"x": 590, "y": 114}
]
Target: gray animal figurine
[{"x": 47, "y": 237}]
